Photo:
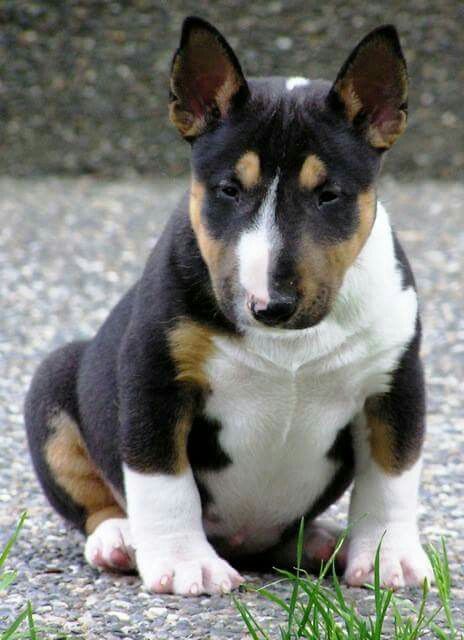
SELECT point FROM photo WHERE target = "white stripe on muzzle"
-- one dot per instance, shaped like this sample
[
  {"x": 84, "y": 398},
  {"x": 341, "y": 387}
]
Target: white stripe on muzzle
[{"x": 255, "y": 246}]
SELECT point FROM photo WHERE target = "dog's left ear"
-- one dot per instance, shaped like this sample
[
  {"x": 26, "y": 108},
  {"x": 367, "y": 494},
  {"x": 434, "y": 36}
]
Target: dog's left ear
[
  {"x": 372, "y": 88},
  {"x": 206, "y": 79}
]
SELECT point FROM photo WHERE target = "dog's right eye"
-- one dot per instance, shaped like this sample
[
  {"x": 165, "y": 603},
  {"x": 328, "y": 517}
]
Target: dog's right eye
[{"x": 229, "y": 190}]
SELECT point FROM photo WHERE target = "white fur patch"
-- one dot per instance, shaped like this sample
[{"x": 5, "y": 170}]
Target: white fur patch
[
  {"x": 256, "y": 245},
  {"x": 296, "y": 81},
  {"x": 172, "y": 552},
  {"x": 282, "y": 396}
]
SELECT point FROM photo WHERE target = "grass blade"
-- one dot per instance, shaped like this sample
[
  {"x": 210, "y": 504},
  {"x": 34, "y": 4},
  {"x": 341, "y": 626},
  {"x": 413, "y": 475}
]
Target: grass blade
[
  {"x": 7, "y": 549},
  {"x": 12, "y": 628},
  {"x": 252, "y": 624},
  {"x": 30, "y": 620}
]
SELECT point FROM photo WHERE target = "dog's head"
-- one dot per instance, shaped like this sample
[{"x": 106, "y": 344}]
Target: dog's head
[{"x": 282, "y": 195}]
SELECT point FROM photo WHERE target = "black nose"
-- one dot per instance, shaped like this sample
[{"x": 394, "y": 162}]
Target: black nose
[{"x": 277, "y": 311}]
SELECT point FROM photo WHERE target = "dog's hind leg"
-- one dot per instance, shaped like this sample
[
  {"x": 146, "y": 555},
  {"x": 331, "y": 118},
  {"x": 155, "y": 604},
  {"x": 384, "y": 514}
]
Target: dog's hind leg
[
  {"x": 70, "y": 479},
  {"x": 319, "y": 543}
]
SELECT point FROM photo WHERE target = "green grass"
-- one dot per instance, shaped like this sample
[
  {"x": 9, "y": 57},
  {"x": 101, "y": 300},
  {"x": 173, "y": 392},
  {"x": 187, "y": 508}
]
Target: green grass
[{"x": 318, "y": 608}]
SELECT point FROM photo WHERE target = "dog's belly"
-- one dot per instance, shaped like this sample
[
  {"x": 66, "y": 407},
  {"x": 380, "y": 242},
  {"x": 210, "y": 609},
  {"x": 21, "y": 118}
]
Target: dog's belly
[{"x": 278, "y": 426}]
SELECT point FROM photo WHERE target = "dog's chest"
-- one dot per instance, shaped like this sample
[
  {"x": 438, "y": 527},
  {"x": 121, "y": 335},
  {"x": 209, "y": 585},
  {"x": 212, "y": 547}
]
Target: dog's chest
[{"x": 281, "y": 404}]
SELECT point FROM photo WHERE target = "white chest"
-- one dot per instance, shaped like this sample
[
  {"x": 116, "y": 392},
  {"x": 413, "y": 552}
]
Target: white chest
[
  {"x": 278, "y": 425},
  {"x": 281, "y": 399}
]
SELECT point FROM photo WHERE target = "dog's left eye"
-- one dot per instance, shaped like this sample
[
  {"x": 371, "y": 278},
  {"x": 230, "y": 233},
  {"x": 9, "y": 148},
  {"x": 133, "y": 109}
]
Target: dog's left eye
[
  {"x": 327, "y": 197},
  {"x": 229, "y": 190}
]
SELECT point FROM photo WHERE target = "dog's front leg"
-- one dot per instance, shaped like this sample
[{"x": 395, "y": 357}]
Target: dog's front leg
[
  {"x": 172, "y": 552},
  {"x": 388, "y": 440}
]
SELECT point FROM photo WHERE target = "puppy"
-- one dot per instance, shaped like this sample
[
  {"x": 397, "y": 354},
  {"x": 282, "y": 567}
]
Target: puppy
[{"x": 268, "y": 356}]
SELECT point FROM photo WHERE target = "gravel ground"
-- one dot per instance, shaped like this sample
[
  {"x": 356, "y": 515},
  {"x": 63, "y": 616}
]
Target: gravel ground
[{"x": 68, "y": 249}]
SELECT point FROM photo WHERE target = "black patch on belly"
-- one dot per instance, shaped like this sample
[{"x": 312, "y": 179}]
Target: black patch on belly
[
  {"x": 204, "y": 451},
  {"x": 342, "y": 452}
]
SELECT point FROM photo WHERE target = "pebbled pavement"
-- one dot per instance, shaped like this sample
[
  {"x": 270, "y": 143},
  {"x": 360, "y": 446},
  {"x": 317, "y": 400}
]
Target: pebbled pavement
[{"x": 68, "y": 249}]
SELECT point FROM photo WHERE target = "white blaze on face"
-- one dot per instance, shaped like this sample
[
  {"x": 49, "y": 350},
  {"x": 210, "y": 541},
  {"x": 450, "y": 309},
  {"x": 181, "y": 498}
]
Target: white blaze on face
[
  {"x": 297, "y": 81},
  {"x": 255, "y": 246}
]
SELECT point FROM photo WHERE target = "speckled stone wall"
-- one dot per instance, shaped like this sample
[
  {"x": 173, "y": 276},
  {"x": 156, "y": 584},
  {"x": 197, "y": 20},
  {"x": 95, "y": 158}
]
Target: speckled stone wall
[{"x": 83, "y": 84}]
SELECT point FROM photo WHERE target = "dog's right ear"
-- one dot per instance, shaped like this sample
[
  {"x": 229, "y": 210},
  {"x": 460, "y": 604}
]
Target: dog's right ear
[{"x": 206, "y": 79}]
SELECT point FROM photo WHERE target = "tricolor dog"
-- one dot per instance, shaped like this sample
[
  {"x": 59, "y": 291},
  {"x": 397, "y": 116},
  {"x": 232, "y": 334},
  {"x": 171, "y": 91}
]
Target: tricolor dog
[{"x": 267, "y": 358}]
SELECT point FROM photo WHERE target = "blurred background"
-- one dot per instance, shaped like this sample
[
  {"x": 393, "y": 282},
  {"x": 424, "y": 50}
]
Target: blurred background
[{"x": 84, "y": 83}]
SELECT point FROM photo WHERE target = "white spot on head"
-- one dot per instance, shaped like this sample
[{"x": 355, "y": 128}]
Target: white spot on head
[
  {"x": 255, "y": 246},
  {"x": 297, "y": 81}
]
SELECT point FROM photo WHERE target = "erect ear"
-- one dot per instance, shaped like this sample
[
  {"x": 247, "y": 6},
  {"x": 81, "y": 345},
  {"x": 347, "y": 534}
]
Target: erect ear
[
  {"x": 372, "y": 87},
  {"x": 206, "y": 79}
]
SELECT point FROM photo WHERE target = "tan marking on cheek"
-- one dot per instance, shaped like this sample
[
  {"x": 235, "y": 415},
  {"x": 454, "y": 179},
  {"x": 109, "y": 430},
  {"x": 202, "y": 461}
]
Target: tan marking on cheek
[
  {"x": 312, "y": 173},
  {"x": 248, "y": 169},
  {"x": 211, "y": 249},
  {"x": 342, "y": 255},
  {"x": 74, "y": 471},
  {"x": 310, "y": 269},
  {"x": 322, "y": 267}
]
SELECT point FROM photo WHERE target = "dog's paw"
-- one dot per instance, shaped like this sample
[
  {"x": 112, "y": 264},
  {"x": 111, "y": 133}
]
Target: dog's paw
[
  {"x": 183, "y": 567},
  {"x": 110, "y": 546},
  {"x": 320, "y": 541},
  {"x": 403, "y": 561}
]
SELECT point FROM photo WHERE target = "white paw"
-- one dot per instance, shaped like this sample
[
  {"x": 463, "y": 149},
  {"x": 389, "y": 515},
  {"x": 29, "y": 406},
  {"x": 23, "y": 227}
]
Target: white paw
[
  {"x": 110, "y": 546},
  {"x": 403, "y": 561},
  {"x": 185, "y": 566}
]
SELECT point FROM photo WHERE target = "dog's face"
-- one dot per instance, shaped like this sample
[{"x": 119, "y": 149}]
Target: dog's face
[{"x": 282, "y": 195}]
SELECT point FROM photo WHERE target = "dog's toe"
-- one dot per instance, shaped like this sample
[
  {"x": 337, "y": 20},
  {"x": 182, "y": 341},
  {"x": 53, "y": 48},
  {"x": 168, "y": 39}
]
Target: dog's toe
[{"x": 110, "y": 547}]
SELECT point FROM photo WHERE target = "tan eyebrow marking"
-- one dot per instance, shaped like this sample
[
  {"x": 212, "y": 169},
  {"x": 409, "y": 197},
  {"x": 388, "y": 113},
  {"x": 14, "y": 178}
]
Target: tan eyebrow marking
[
  {"x": 312, "y": 173},
  {"x": 248, "y": 169}
]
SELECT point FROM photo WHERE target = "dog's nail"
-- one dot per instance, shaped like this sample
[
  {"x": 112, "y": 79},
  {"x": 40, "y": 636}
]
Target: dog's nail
[
  {"x": 395, "y": 581},
  {"x": 194, "y": 589},
  {"x": 164, "y": 581},
  {"x": 225, "y": 586}
]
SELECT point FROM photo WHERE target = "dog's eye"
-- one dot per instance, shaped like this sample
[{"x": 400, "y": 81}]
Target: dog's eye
[
  {"x": 229, "y": 190},
  {"x": 327, "y": 197}
]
